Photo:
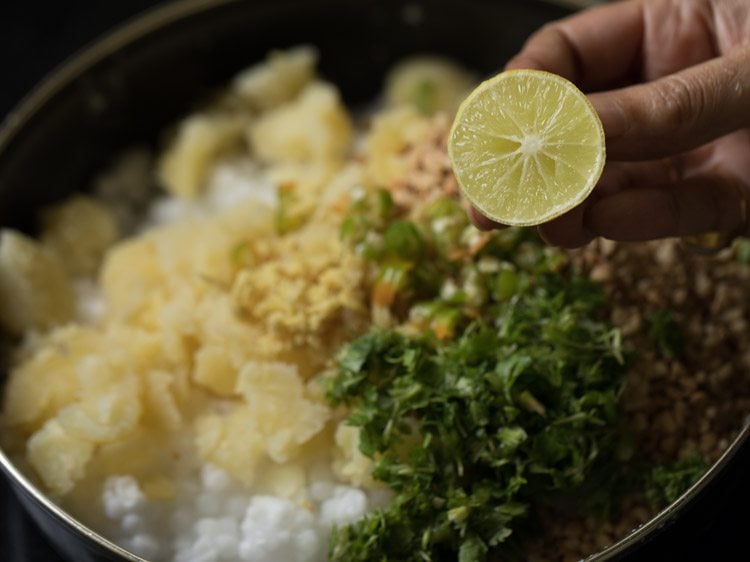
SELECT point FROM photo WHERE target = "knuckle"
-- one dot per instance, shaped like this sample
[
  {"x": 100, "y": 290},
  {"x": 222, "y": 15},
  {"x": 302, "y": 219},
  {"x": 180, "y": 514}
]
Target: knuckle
[
  {"x": 550, "y": 48},
  {"x": 549, "y": 28},
  {"x": 680, "y": 102}
]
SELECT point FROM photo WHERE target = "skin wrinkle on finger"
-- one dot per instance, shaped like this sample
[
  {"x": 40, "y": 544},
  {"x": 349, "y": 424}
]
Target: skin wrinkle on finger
[
  {"x": 587, "y": 48},
  {"x": 678, "y": 112},
  {"x": 691, "y": 105},
  {"x": 681, "y": 101},
  {"x": 619, "y": 176},
  {"x": 726, "y": 156},
  {"x": 731, "y": 24},
  {"x": 677, "y": 34},
  {"x": 549, "y": 49},
  {"x": 576, "y": 57},
  {"x": 695, "y": 206},
  {"x": 570, "y": 230},
  {"x": 571, "y": 46}
]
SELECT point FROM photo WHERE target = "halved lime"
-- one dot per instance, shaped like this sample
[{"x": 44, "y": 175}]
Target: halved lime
[{"x": 526, "y": 146}]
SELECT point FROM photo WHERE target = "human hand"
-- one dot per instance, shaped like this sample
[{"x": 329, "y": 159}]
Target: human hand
[{"x": 672, "y": 88}]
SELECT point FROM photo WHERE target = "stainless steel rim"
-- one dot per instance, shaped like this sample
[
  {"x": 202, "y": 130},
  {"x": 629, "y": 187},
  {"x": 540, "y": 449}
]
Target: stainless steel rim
[
  {"x": 681, "y": 504},
  {"x": 30, "y": 488},
  {"x": 131, "y": 31}
]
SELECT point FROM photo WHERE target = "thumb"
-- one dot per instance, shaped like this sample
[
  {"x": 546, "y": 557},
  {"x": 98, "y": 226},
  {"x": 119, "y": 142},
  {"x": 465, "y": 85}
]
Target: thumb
[{"x": 678, "y": 112}]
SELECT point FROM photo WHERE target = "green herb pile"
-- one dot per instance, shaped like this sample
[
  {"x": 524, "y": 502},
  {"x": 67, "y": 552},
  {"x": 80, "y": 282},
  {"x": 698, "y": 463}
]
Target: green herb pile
[{"x": 493, "y": 387}]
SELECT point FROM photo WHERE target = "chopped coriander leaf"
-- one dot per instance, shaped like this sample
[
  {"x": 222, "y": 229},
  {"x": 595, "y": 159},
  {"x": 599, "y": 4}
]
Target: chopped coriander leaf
[
  {"x": 403, "y": 239},
  {"x": 469, "y": 431},
  {"x": 665, "y": 483},
  {"x": 496, "y": 392}
]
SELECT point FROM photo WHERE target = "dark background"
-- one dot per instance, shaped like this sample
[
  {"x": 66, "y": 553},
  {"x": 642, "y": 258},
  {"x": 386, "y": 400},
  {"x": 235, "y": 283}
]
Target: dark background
[{"x": 36, "y": 36}]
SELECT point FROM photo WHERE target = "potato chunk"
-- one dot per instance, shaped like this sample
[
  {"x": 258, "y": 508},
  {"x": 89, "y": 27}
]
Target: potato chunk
[
  {"x": 79, "y": 231},
  {"x": 201, "y": 139},
  {"x": 35, "y": 292},
  {"x": 214, "y": 370},
  {"x": 314, "y": 127},
  {"x": 161, "y": 407},
  {"x": 285, "y": 417},
  {"x": 132, "y": 280},
  {"x": 231, "y": 442},
  {"x": 109, "y": 407},
  {"x": 47, "y": 380},
  {"x": 278, "y": 79},
  {"x": 430, "y": 84},
  {"x": 58, "y": 456}
]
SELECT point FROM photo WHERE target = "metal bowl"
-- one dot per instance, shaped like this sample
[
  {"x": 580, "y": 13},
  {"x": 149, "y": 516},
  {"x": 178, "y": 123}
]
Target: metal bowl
[{"x": 127, "y": 87}]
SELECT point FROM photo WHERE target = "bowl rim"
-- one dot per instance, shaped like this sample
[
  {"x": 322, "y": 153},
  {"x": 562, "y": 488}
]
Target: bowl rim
[
  {"x": 683, "y": 503},
  {"x": 93, "y": 52},
  {"x": 137, "y": 27}
]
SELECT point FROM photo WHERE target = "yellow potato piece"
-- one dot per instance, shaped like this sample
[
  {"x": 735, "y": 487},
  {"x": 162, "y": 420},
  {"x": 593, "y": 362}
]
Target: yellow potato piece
[
  {"x": 131, "y": 279},
  {"x": 349, "y": 463},
  {"x": 200, "y": 140},
  {"x": 277, "y": 80},
  {"x": 35, "y": 292},
  {"x": 429, "y": 84},
  {"x": 79, "y": 231},
  {"x": 46, "y": 380},
  {"x": 109, "y": 405},
  {"x": 285, "y": 417},
  {"x": 146, "y": 453},
  {"x": 231, "y": 442},
  {"x": 58, "y": 456},
  {"x": 103, "y": 417},
  {"x": 161, "y": 407},
  {"x": 214, "y": 370},
  {"x": 313, "y": 127}
]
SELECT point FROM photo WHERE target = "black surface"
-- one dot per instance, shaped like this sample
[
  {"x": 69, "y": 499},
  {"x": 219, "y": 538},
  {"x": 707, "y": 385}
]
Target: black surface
[{"x": 35, "y": 36}]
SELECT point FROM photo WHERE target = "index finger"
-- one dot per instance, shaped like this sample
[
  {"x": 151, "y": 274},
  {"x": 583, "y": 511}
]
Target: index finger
[{"x": 595, "y": 49}]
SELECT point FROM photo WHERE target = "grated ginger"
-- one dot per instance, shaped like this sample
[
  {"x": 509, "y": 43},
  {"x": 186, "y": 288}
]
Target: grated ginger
[{"x": 311, "y": 287}]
